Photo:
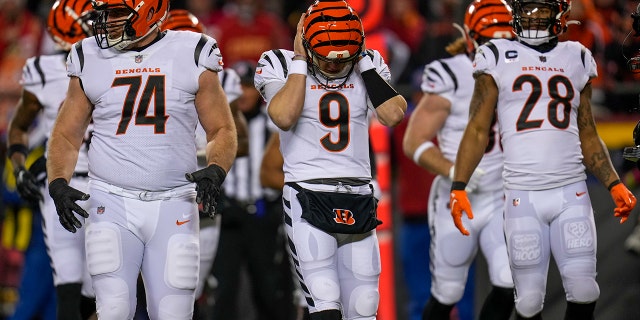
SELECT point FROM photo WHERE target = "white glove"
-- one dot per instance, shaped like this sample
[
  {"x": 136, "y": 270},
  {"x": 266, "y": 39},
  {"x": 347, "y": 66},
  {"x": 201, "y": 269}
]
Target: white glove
[{"x": 474, "y": 181}]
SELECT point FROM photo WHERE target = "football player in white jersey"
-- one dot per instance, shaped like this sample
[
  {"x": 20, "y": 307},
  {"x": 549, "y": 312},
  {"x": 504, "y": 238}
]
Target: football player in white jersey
[
  {"x": 443, "y": 110},
  {"x": 45, "y": 82},
  {"x": 145, "y": 90},
  {"x": 320, "y": 96},
  {"x": 540, "y": 90}
]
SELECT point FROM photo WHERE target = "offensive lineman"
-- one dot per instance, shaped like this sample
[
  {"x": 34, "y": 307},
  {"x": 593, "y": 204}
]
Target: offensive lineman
[
  {"x": 540, "y": 89},
  {"x": 45, "y": 82},
  {"x": 145, "y": 90},
  {"x": 320, "y": 97},
  {"x": 444, "y": 110}
]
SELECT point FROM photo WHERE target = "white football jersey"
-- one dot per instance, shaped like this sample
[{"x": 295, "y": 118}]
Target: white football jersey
[
  {"x": 331, "y": 137},
  {"x": 537, "y": 110},
  {"x": 452, "y": 79},
  {"x": 46, "y": 78},
  {"x": 144, "y": 107}
]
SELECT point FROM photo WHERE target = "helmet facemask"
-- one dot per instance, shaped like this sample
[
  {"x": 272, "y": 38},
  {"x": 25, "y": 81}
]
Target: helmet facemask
[
  {"x": 537, "y": 22},
  {"x": 115, "y": 26}
]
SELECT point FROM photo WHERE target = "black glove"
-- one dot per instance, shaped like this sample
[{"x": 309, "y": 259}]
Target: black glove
[
  {"x": 208, "y": 182},
  {"x": 39, "y": 170},
  {"x": 65, "y": 198},
  {"x": 27, "y": 185}
]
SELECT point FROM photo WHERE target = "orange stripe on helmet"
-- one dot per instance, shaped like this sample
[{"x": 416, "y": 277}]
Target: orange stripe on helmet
[{"x": 333, "y": 30}]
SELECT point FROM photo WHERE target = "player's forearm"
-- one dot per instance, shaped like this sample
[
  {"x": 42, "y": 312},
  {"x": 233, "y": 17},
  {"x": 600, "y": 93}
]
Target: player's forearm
[
  {"x": 391, "y": 112},
  {"x": 598, "y": 162},
  {"x": 61, "y": 157},
  {"x": 469, "y": 154},
  {"x": 222, "y": 148},
  {"x": 286, "y": 106}
]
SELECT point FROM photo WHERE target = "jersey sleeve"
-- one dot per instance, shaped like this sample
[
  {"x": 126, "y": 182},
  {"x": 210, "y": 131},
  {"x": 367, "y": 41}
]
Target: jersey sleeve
[
  {"x": 485, "y": 59},
  {"x": 30, "y": 75},
  {"x": 75, "y": 59},
  {"x": 436, "y": 80},
  {"x": 230, "y": 81},
  {"x": 589, "y": 62},
  {"x": 271, "y": 70},
  {"x": 209, "y": 55}
]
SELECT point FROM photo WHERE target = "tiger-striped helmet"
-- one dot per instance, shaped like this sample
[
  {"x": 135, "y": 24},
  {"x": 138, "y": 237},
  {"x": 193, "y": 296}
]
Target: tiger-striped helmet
[
  {"x": 70, "y": 21},
  {"x": 487, "y": 19},
  {"x": 180, "y": 19},
  {"x": 332, "y": 32},
  {"x": 121, "y": 23}
]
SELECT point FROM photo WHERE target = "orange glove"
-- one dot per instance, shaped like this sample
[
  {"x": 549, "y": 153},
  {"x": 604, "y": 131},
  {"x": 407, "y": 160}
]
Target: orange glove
[
  {"x": 624, "y": 199},
  {"x": 459, "y": 203}
]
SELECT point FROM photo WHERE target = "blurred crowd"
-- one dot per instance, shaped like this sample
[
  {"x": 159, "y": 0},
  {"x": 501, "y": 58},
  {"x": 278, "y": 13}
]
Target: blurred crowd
[{"x": 408, "y": 33}]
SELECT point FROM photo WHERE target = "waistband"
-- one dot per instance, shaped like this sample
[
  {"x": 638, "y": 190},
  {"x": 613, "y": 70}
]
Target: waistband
[{"x": 144, "y": 195}]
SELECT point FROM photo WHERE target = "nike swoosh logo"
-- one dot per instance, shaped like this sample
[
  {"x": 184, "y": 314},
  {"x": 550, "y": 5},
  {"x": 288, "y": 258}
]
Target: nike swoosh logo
[
  {"x": 580, "y": 194},
  {"x": 186, "y": 216},
  {"x": 179, "y": 223}
]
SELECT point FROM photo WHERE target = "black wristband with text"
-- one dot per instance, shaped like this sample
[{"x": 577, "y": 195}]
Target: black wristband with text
[{"x": 458, "y": 185}]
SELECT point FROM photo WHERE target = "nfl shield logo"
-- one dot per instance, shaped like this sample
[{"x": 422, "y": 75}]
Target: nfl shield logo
[
  {"x": 100, "y": 210},
  {"x": 138, "y": 58},
  {"x": 516, "y": 202},
  {"x": 543, "y": 59}
]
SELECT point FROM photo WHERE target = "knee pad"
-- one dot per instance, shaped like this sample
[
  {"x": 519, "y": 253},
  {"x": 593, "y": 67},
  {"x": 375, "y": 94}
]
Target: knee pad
[
  {"x": 582, "y": 290},
  {"x": 324, "y": 288},
  {"x": 113, "y": 301},
  {"x": 102, "y": 245},
  {"x": 529, "y": 304},
  {"x": 175, "y": 307},
  {"x": 447, "y": 293},
  {"x": 365, "y": 300},
  {"x": 183, "y": 262}
]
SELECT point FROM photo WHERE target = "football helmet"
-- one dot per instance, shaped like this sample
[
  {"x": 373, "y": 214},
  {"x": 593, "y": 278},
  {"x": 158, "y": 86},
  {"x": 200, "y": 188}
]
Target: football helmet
[
  {"x": 537, "y": 21},
  {"x": 332, "y": 33},
  {"x": 180, "y": 19},
  {"x": 121, "y": 23},
  {"x": 487, "y": 19},
  {"x": 70, "y": 21}
]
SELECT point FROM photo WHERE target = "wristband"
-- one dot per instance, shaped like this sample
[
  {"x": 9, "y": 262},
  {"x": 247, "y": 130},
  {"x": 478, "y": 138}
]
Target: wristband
[
  {"x": 17, "y": 147},
  {"x": 298, "y": 67},
  {"x": 458, "y": 185},
  {"x": 421, "y": 149},
  {"x": 613, "y": 184},
  {"x": 365, "y": 64}
]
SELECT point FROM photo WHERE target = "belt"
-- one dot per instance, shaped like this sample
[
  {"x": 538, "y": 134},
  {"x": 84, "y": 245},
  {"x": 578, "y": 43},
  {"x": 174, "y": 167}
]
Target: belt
[
  {"x": 80, "y": 174},
  {"x": 355, "y": 182}
]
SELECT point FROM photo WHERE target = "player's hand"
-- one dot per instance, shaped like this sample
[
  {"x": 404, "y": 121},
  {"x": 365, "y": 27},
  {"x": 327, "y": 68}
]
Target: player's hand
[
  {"x": 65, "y": 197},
  {"x": 27, "y": 185},
  {"x": 208, "y": 182},
  {"x": 474, "y": 181},
  {"x": 298, "y": 46},
  {"x": 459, "y": 203},
  {"x": 625, "y": 201}
]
